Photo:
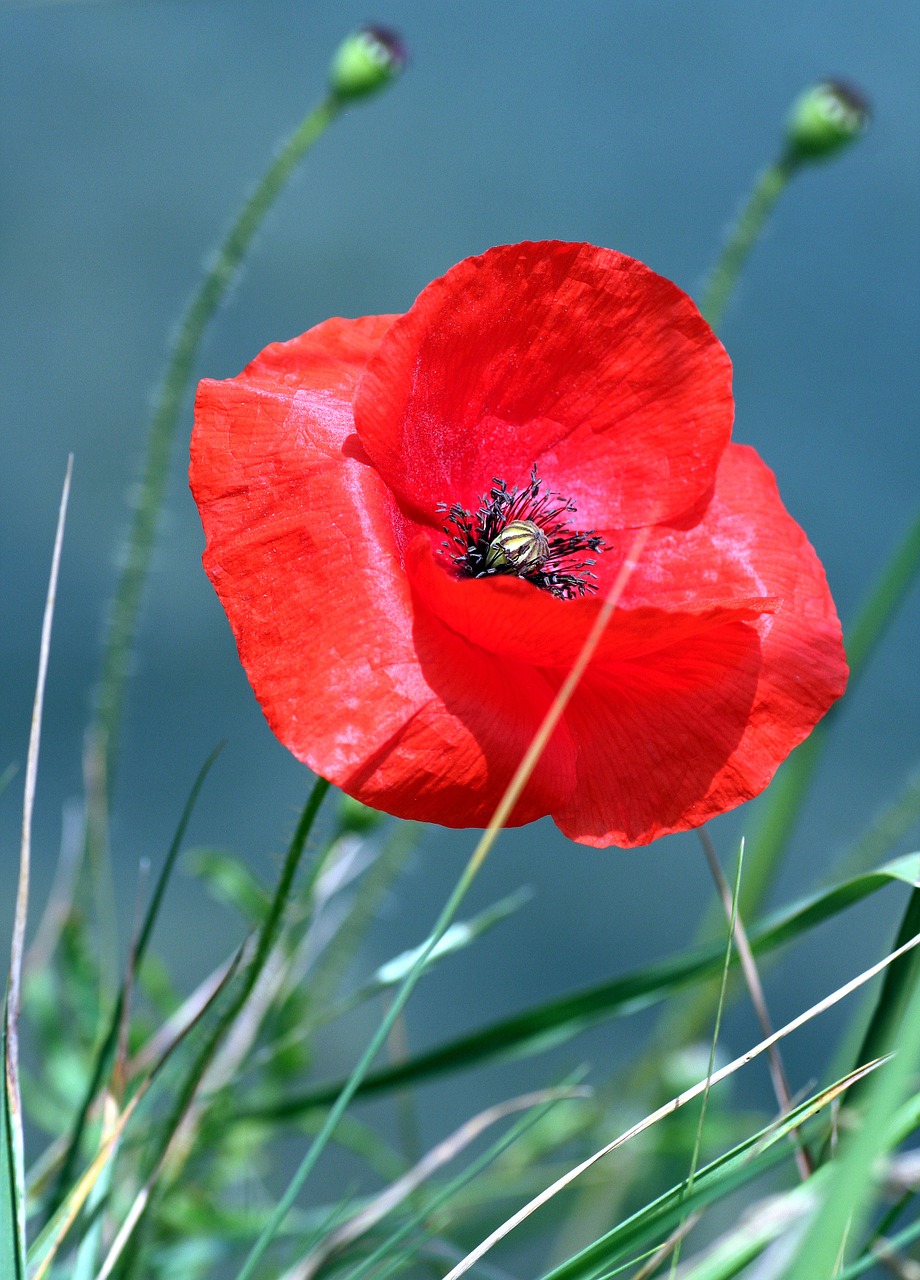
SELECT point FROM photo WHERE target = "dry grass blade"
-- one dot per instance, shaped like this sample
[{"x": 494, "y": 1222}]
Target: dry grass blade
[
  {"x": 60, "y": 896},
  {"x": 677, "y": 1237},
  {"x": 563, "y": 697},
  {"x": 188, "y": 1012},
  {"x": 675, "y": 1104},
  {"x": 400, "y": 1190},
  {"x": 756, "y": 992},
  {"x": 83, "y": 1188},
  {"x": 14, "y": 995}
]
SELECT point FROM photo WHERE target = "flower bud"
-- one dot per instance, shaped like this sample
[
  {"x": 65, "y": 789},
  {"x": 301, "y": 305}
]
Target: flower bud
[
  {"x": 825, "y": 118},
  {"x": 521, "y": 545},
  {"x": 355, "y": 818},
  {"x": 366, "y": 60}
]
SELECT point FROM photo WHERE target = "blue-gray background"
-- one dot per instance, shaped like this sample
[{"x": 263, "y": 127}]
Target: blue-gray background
[{"x": 131, "y": 131}]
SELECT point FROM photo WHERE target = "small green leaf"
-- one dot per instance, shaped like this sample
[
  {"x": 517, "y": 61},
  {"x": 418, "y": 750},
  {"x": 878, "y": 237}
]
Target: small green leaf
[{"x": 229, "y": 882}]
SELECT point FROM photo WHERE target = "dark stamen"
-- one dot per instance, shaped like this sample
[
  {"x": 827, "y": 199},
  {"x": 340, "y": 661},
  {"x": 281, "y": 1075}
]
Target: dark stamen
[{"x": 525, "y": 533}]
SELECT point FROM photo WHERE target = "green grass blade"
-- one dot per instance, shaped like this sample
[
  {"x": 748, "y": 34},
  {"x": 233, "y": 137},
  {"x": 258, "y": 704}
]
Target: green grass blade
[
  {"x": 106, "y": 1053},
  {"x": 42, "y": 1250},
  {"x": 556, "y": 1021},
  {"x": 901, "y": 979},
  {"x": 851, "y": 1186},
  {"x": 406, "y": 1190},
  {"x": 387, "y": 1249},
  {"x": 895, "y": 1244},
  {"x": 267, "y": 937},
  {"x": 742, "y": 1164},
  {"x": 12, "y": 1192},
  {"x": 710, "y": 1067}
]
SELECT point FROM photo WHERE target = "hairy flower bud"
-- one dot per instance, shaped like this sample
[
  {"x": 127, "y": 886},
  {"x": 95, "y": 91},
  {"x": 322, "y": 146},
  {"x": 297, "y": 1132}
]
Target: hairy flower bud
[
  {"x": 825, "y": 118},
  {"x": 366, "y": 60},
  {"x": 355, "y": 818}
]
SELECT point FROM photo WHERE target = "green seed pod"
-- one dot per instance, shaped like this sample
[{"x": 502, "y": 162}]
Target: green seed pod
[
  {"x": 366, "y": 60},
  {"x": 825, "y": 118},
  {"x": 520, "y": 546}
]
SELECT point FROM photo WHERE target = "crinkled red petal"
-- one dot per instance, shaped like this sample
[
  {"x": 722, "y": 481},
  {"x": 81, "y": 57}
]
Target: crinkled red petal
[
  {"x": 573, "y": 357},
  {"x": 302, "y": 548},
  {"x": 666, "y": 742},
  {"x": 511, "y": 617}
]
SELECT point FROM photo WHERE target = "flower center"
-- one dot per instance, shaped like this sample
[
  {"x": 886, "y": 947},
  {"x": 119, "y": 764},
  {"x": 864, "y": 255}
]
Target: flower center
[{"x": 524, "y": 532}]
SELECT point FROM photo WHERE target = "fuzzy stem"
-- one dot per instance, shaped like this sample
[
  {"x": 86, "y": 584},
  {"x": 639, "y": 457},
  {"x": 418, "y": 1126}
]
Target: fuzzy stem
[
  {"x": 222, "y": 272},
  {"x": 743, "y": 236}
]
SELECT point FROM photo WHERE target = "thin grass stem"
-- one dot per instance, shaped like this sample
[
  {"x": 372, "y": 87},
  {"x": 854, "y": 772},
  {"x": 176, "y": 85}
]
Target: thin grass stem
[
  {"x": 17, "y": 948},
  {"x": 713, "y": 1044},
  {"x": 758, "y": 999}
]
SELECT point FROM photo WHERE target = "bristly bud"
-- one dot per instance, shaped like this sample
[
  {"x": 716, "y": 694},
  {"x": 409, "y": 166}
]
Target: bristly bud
[
  {"x": 355, "y": 818},
  {"x": 366, "y": 61},
  {"x": 826, "y": 117}
]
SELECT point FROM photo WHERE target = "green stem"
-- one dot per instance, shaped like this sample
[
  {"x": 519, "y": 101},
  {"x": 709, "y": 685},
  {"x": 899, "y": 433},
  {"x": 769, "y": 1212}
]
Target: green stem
[
  {"x": 268, "y": 936},
  {"x": 222, "y": 271},
  {"x": 370, "y": 1053},
  {"x": 742, "y": 238}
]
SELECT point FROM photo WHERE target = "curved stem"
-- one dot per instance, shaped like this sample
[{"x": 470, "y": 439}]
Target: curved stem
[
  {"x": 742, "y": 238},
  {"x": 221, "y": 273}
]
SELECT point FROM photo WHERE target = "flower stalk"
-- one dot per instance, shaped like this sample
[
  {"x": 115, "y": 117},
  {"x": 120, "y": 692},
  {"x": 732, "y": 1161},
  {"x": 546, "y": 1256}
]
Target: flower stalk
[
  {"x": 366, "y": 61},
  {"x": 222, "y": 272},
  {"x": 823, "y": 120},
  {"x": 743, "y": 236}
]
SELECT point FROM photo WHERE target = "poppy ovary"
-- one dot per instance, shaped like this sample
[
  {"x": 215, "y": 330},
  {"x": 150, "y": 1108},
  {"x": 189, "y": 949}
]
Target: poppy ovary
[
  {"x": 521, "y": 545},
  {"x": 525, "y": 533}
]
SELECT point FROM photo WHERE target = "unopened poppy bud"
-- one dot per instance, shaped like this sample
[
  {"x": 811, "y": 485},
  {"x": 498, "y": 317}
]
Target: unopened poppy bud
[
  {"x": 825, "y": 118},
  {"x": 521, "y": 545},
  {"x": 355, "y": 818},
  {"x": 366, "y": 61}
]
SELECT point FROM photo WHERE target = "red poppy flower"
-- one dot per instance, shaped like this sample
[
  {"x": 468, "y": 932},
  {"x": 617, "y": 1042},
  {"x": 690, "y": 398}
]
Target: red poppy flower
[{"x": 412, "y": 521}]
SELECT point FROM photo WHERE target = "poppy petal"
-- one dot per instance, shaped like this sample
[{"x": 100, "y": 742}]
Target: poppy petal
[
  {"x": 303, "y": 551},
  {"x": 575, "y": 358},
  {"x": 666, "y": 743},
  {"x": 513, "y": 618}
]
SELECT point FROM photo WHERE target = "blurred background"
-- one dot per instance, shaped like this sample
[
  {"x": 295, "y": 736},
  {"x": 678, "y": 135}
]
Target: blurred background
[{"x": 131, "y": 131}]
